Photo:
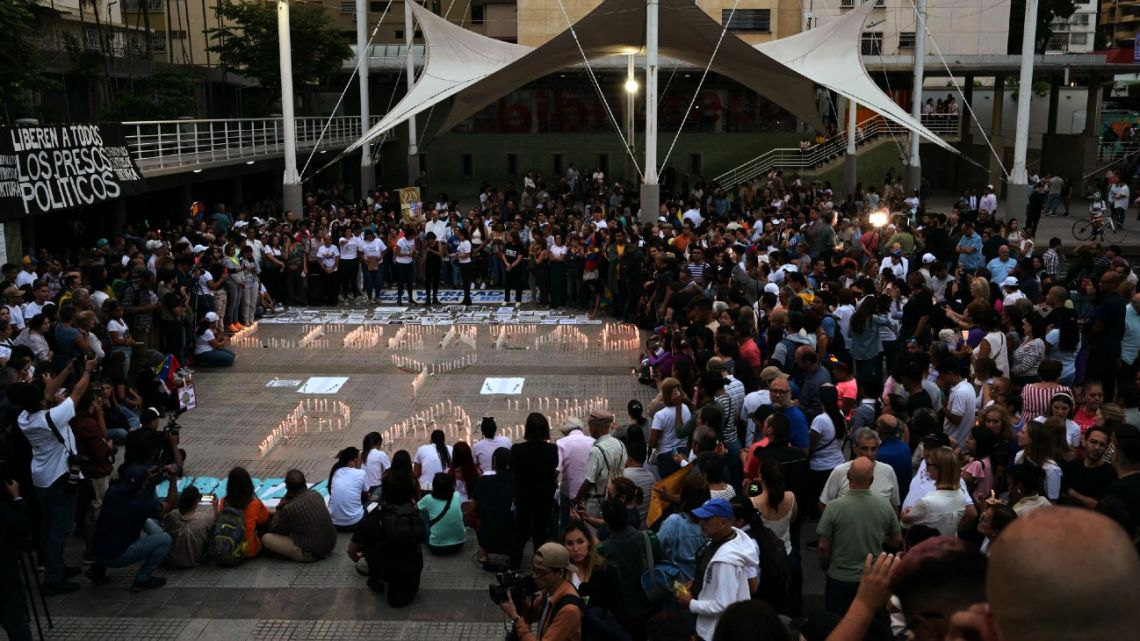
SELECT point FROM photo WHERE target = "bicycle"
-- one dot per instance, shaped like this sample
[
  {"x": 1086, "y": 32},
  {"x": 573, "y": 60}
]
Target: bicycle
[{"x": 1099, "y": 225}]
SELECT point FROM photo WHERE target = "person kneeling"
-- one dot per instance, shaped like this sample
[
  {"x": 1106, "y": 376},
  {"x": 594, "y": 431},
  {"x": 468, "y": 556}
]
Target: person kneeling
[
  {"x": 557, "y": 608},
  {"x": 129, "y": 508},
  {"x": 389, "y": 540}
]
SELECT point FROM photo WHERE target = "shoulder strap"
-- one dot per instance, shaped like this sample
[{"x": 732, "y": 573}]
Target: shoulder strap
[
  {"x": 439, "y": 517},
  {"x": 648, "y": 550},
  {"x": 55, "y": 431},
  {"x": 567, "y": 599}
]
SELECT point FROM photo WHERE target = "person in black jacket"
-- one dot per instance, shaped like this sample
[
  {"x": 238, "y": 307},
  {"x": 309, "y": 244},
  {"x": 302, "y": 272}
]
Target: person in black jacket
[
  {"x": 15, "y": 524},
  {"x": 534, "y": 463}
]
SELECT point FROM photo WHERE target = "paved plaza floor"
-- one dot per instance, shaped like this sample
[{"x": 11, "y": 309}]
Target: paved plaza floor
[{"x": 271, "y": 599}]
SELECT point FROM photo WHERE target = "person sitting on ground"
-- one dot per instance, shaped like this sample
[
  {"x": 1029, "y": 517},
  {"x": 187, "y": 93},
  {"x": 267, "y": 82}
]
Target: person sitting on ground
[
  {"x": 239, "y": 496},
  {"x": 189, "y": 528},
  {"x": 210, "y": 344},
  {"x": 485, "y": 448},
  {"x": 348, "y": 490},
  {"x": 301, "y": 528},
  {"x": 129, "y": 507},
  {"x": 446, "y": 533}
]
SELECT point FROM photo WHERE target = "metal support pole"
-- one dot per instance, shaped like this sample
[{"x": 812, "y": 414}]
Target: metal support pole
[
  {"x": 650, "y": 190},
  {"x": 291, "y": 181},
  {"x": 1018, "y": 192},
  {"x": 413, "y": 149},
  {"x": 850, "y": 166},
  {"x": 367, "y": 173},
  {"x": 914, "y": 167},
  {"x": 630, "y": 106}
]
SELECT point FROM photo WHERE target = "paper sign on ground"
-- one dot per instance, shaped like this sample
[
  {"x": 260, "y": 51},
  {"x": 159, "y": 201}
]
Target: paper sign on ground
[
  {"x": 502, "y": 386},
  {"x": 323, "y": 385},
  {"x": 283, "y": 382}
]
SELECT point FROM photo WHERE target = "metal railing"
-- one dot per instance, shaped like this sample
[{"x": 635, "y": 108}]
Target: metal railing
[
  {"x": 162, "y": 144},
  {"x": 834, "y": 147}
]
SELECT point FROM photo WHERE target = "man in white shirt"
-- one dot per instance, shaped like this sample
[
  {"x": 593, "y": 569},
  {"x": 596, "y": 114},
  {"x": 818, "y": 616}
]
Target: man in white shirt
[
  {"x": 989, "y": 202},
  {"x": 693, "y": 215},
  {"x": 53, "y": 443},
  {"x": 329, "y": 257},
  {"x": 959, "y": 413},
  {"x": 372, "y": 252},
  {"x": 405, "y": 271},
  {"x": 897, "y": 265},
  {"x": 1120, "y": 197},
  {"x": 27, "y": 275},
  {"x": 885, "y": 483},
  {"x": 485, "y": 448},
  {"x": 573, "y": 454},
  {"x": 349, "y": 265}
]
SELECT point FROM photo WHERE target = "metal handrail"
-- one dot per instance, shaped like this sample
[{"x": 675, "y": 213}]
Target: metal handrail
[
  {"x": 178, "y": 143},
  {"x": 835, "y": 146}
]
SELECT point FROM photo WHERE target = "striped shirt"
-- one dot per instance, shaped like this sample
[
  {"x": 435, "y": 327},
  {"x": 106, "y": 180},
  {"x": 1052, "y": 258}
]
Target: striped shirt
[{"x": 1035, "y": 398}]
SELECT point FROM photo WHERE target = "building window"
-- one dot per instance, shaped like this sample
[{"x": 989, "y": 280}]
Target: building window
[
  {"x": 468, "y": 166},
  {"x": 477, "y": 15},
  {"x": 376, "y": 7},
  {"x": 1078, "y": 39},
  {"x": 347, "y": 7},
  {"x": 557, "y": 164},
  {"x": 137, "y": 6},
  {"x": 1058, "y": 42},
  {"x": 872, "y": 43},
  {"x": 747, "y": 20},
  {"x": 1079, "y": 18},
  {"x": 906, "y": 40},
  {"x": 512, "y": 164},
  {"x": 846, "y": 4}
]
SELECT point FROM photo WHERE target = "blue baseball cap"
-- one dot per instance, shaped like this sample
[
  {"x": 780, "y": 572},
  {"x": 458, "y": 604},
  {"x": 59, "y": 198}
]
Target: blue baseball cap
[{"x": 713, "y": 508}]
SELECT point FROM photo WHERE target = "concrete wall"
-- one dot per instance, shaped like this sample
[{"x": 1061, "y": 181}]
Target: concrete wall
[
  {"x": 957, "y": 26},
  {"x": 1071, "y": 102}
]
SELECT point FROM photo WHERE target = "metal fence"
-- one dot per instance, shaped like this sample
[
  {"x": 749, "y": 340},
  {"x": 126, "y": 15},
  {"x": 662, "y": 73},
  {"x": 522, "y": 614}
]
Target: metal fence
[{"x": 161, "y": 144}]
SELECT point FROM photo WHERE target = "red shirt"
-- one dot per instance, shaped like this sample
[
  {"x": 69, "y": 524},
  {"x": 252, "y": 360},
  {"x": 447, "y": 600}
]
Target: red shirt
[{"x": 750, "y": 352}]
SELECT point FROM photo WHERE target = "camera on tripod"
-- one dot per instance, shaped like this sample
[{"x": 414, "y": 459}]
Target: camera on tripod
[
  {"x": 512, "y": 582},
  {"x": 172, "y": 426}
]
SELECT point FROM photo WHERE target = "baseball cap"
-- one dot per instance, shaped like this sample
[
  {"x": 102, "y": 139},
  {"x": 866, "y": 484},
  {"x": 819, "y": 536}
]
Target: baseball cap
[
  {"x": 1010, "y": 281},
  {"x": 198, "y": 249},
  {"x": 554, "y": 557},
  {"x": 212, "y": 317},
  {"x": 928, "y": 258},
  {"x": 713, "y": 508},
  {"x": 102, "y": 242},
  {"x": 897, "y": 252},
  {"x": 772, "y": 288}
]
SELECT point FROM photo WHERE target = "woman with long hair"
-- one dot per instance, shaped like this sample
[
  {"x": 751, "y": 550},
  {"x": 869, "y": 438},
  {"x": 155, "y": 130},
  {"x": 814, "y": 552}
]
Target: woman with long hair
[
  {"x": 827, "y": 434},
  {"x": 446, "y": 532},
  {"x": 431, "y": 459},
  {"x": 595, "y": 579},
  {"x": 1064, "y": 341},
  {"x": 978, "y": 472},
  {"x": 994, "y": 344},
  {"x": 1039, "y": 448},
  {"x": 464, "y": 472},
  {"x": 945, "y": 509},
  {"x": 534, "y": 465},
  {"x": 398, "y": 484},
  {"x": 240, "y": 496},
  {"x": 776, "y": 504},
  {"x": 1029, "y": 354},
  {"x": 375, "y": 462},
  {"x": 494, "y": 506},
  {"x": 994, "y": 520},
  {"x": 668, "y": 422},
  {"x": 348, "y": 490}
]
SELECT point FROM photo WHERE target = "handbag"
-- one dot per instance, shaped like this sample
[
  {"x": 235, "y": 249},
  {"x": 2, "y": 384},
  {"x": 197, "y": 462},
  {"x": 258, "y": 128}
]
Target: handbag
[{"x": 657, "y": 581}]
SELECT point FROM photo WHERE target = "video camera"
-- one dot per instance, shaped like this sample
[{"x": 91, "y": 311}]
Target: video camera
[
  {"x": 512, "y": 582},
  {"x": 172, "y": 425}
]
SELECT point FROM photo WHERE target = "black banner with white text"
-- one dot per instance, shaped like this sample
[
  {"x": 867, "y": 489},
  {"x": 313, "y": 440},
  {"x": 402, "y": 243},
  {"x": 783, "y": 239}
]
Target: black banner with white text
[{"x": 59, "y": 167}]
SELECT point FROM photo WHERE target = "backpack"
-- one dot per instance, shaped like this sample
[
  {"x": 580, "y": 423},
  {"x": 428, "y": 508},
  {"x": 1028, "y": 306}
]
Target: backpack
[
  {"x": 775, "y": 571},
  {"x": 837, "y": 344},
  {"x": 598, "y": 624},
  {"x": 228, "y": 545},
  {"x": 402, "y": 524},
  {"x": 789, "y": 365}
]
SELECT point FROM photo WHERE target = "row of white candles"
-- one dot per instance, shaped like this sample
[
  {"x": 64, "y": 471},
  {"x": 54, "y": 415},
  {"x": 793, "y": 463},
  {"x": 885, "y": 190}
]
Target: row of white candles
[
  {"x": 615, "y": 337},
  {"x": 566, "y": 336},
  {"x": 333, "y": 415},
  {"x": 555, "y": 403},
  {"x": 412, "y": 365},
  {"x": 326, "y": 327},
  {"x": 454, "y": 414},
  {"x": 403, "y": 362},
  {"x": 418, "y": 382},
  {"x": 364, "y": 336},
  {"x": 312, "y": 333}
]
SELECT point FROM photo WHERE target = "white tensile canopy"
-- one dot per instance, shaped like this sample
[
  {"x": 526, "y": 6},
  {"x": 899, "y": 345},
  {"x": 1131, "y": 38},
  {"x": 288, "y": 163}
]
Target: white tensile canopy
[{"x": 476, "y": 70}]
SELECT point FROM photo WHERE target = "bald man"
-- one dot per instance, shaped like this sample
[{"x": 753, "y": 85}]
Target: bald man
[
  {"x": 1057, "y": 574},
  {"x": 853, "y": 526}
]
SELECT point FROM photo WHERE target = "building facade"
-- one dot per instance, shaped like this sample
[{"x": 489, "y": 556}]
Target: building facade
[
  {"x": 1075, "y": 34},
  {"x": 960, "y": 27},
  {"x": 1119, "y": 22}
]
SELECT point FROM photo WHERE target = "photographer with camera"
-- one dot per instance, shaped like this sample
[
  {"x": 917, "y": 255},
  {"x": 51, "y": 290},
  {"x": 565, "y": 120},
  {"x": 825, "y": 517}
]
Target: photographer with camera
[
  {"x": 148, "y": 446},
  {"x": 128, "y": 508},
  {"x": 55, "y": 466},
  {"x": 557, "y": 608}
]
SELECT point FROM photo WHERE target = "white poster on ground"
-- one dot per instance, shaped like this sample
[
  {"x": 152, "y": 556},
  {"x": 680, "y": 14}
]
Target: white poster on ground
[
  {"x": 502, "y": 386},
  {"x": 323, "y": 385}
]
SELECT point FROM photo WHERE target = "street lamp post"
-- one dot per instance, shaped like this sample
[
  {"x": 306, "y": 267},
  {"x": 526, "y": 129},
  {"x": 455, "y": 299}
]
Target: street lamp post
[
  {"x": 650, "y": 190},
  {"x": 630, "y": 122}
]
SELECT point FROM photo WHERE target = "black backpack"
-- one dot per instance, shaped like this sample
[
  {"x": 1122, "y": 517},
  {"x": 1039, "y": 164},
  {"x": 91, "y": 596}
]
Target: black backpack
[
  {"x": 402, "y": 525},
  {"x": 837, "y": 344},
  {"x": 775, "y": 570},
  {"x": 598, "y": 624}
]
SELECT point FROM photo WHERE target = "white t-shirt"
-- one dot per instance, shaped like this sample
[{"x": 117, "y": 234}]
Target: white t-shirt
[
  {"x": 485, "y": 449},
  {"x": 374, "y": 466},
  {"x": 328, "y": 254},
  {"x": 884, "y": 483},
  {"x": 202, "y": 343},
  {"x": 16, "y": 315},
  {"x": 464, "y": 248},
  {"x": 349, "y": 248},
  {"x": 921, "y": 485},
  {"x": 1052, "y": 476},
  {"x": 204, "y": 283},
  {"x": 345, "y": 505},
  {"x": 941, "y": 510},
  {"x": 829, "y": 453},
  {"x": 49, "y": 456},
  {"x": 372, "y": 248},
  {"x": 752, "y": 402},
  {"x": 962, "y": 402},
  {"x": 407, "y": 249},
  {"x": 1119, "y": 194},
  {"x": 117, "y": 328},
  {"x": 664, "y": 421},
  {"x": 25, "y": 278},
  {"x": 430, "y": 464}
]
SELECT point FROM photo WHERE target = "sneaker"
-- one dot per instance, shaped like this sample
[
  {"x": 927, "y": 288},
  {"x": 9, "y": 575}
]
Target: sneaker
[
  {"x": 150, "y": 584},
  {"x": 59, "y": 587},
  {"x": 239, "y": 325},
  {"x": 98, "y": 575},
  {"x": 233, "y": 328}
]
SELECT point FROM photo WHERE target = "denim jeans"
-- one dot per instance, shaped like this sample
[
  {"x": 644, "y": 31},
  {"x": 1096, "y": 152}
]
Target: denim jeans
[
  {"x": 58, "y": 503},
  {"x": 498, "y": 271},
  {"x": 233, "y": 301},
  {"x": 132, "y": 419},
  {"x": 215, "y": 358},
  {"x": 839, "y": 595},
  {"x": 150, "y": 550},
  {"x": 372, "y": 283}
]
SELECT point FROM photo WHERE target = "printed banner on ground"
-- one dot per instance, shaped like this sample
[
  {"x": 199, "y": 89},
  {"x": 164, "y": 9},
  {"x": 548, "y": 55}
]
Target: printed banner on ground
[{"x": 58, "y": 167}]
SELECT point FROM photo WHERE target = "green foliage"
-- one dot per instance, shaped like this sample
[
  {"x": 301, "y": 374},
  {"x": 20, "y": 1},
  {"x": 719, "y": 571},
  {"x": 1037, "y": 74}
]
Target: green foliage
[
  {"x": 1047, "y": 10},
  {"x": 166, "y": 95},
  {"x": 20, "y": 68},
  {"x": 248, "y": 44}
]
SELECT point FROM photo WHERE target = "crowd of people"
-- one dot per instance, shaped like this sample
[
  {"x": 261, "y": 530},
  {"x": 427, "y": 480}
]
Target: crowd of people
[{"x": 919, "y": 390}]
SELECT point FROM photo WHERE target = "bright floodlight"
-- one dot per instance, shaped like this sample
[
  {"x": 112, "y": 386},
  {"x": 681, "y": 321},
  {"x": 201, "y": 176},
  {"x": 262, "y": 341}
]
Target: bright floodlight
[
  {"x": 631, "y": 86},
  {"x": 878, "y": 218}
]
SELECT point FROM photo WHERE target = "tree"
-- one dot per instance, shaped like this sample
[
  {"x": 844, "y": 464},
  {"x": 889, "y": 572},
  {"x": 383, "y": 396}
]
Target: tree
[
  {"x": 1047, "y": 10},
  {"x": 20, "y": 68},
  {"x": 248, "y": 43},
  {"x": 166, "y": 95}
]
